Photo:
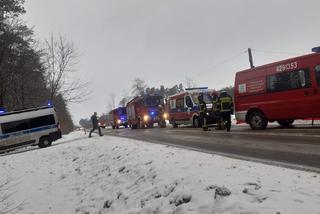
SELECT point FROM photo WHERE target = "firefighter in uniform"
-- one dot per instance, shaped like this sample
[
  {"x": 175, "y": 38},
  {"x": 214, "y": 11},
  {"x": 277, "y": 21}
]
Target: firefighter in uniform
[
  {"x": 214, "y": 110},
  {"x": 215, "y": 97},
  {"x": 162, "y": 119},
  {"x": 225, "y": 106},
  {"x": 203, "y": 113}
]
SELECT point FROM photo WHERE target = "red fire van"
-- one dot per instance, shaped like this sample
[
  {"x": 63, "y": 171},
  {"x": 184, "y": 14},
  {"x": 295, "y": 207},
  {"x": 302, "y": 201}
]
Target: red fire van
[{"x": 282, "y": 91}]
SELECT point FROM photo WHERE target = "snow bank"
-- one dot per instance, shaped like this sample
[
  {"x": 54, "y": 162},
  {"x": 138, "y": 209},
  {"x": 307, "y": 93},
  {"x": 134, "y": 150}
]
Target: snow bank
[{"x": 117, "y": 175}]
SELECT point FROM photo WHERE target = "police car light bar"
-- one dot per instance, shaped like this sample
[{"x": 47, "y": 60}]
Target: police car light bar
[
  {"x": 316, "y": 49},
  {"x": 200, "y": 88}
]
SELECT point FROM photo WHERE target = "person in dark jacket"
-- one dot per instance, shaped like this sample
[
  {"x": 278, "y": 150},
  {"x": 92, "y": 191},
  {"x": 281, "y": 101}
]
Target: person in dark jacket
[
  {"x": 225, "y": 107},
  {"x": 95, "y": 124},
  {"x": 203, "y": 113}
]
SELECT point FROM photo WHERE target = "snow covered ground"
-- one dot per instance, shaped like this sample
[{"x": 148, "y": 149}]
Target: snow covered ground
[{"x": 117, "y": 175}]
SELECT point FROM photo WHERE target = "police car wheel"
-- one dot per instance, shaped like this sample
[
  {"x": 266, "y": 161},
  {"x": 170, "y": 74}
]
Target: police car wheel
[
  {"x": 257, "y": 121},
  {"x": 45, "y": 142}
]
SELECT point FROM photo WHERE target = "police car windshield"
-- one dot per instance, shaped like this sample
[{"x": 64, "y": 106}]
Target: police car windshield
[{"x": 153, "y": 101}]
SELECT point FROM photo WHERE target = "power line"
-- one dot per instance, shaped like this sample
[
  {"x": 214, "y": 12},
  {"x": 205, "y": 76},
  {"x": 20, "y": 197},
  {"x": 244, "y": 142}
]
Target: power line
[
  {"x": 276, "y": 52},
  {"x": 222, "y": 62}
]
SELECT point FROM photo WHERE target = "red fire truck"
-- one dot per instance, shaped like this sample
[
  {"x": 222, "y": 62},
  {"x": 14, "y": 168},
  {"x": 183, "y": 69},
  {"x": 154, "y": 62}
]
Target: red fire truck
[
  {"x": 282, "y": 91},
  {"x": 102, "y": 121},
  {"x": 144, "y": 111},
  {"x": 118, "y": 117},
  {"x": 184, "y": 109}
]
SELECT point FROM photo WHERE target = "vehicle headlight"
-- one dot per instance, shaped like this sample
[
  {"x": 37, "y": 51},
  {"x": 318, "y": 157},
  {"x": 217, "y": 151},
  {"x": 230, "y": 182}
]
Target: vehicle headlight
[
  {"x": 119, "y": 121},
  {"x": 165, "y": 115},
  {"x": 146, "y": 118},
  {"x": 99, "y": 124}
]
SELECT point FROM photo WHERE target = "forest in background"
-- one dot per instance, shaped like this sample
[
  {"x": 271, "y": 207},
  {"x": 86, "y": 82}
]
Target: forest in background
[{"x": 33, "y": 72}]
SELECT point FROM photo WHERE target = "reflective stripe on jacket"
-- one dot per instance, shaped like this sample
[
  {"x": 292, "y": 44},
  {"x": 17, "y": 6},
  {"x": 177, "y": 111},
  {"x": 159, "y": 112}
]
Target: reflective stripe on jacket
[
  {"x": 203, "y": 107},
  {"x": 225, "y": 103}
]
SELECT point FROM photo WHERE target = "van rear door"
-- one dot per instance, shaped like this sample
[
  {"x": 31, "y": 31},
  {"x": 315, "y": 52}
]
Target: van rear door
[{"x": 316, "y": 91}]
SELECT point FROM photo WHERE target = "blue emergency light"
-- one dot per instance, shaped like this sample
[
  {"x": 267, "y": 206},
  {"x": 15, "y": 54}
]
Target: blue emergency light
[
  {"x": 316, "y": 49},
  {"x": 2, "y": 111},
  {"x": 152, "y": 113},
  {"x": 49, "y": 104}
]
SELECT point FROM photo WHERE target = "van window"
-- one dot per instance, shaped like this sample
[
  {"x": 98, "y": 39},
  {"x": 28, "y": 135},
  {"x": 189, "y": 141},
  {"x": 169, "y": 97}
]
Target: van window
[
  {"x": 317, "y": 70},
  {"x": 189, "y": 102},
  {"x": 41, "y": 121},
  {"x": 26, "y": 124},
  {"x": 180, "y": 103},
  {"x": 15, "y": 126},
  {"x": 206, "y": 98},
  {"x": 288, "y": 80},
  {"x": 172, "y": 104}
]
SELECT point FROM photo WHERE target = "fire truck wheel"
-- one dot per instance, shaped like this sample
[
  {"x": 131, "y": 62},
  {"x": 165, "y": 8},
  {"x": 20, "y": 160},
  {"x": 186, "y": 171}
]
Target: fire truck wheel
[
  {"x": 195, "y": 122},
  {"x": 257, "y": 121},
  {"x": 285, "y": 123},
  {"x": 126, "y": 126},
  {"x": 141, "y": 125},
  {"x": 117, "y": 127},
  {"x": 113, "y": 127}
]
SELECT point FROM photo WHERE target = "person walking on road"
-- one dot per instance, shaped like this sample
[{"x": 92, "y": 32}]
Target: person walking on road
[
  {"x": 225, "y": 107},
  {"x": 95, "y": 124}
]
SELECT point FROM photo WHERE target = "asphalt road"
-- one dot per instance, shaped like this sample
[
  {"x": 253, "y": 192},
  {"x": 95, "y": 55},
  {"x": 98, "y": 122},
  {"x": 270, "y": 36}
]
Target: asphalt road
[{"x": 297, "y": 147}]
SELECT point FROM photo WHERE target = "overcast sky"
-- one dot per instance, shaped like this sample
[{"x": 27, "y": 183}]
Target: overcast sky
[{"x": 167, "y": 41}]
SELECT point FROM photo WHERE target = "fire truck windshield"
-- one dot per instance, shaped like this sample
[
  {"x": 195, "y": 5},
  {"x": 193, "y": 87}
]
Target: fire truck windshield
[
  {"x": 122, "y": 111},
  {"x": 153, "y": 101}
]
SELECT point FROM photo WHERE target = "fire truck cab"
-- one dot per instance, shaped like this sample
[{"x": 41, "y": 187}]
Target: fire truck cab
[
  {"x": 184, "y": 108},
  {"x": 144, "y": 111},
  {"x": 102, "y": 122},
  {"x": 118, "y": 117},
  {"x": 282, "y": 91}
]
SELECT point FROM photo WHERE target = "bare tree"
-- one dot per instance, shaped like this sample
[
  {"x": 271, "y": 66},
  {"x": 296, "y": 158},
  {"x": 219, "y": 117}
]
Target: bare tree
[
  {"x": 139, "y": 86},
  {"x": 60, "y": 60},
  {"x": 112, "y": 101},
  {"x": 125, "y": 98}
]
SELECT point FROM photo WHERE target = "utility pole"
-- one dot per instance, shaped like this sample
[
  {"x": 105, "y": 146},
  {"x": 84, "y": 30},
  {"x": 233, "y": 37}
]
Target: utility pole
[{"x": 250, "y": 58}]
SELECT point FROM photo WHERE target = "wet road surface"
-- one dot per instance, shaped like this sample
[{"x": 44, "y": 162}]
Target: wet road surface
[{"x": 297, "y": 147}]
